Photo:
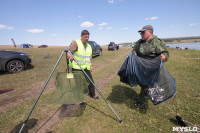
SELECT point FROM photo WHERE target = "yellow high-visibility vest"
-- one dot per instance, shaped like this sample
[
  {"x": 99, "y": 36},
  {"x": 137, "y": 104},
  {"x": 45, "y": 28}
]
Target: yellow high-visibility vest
[{"x": 82, "y": 55}]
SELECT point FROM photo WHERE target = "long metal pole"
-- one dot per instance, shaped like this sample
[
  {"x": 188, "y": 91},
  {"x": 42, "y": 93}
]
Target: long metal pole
[
  {"x": 94, "y": 85},
  {"x": 40, "y": 93}
]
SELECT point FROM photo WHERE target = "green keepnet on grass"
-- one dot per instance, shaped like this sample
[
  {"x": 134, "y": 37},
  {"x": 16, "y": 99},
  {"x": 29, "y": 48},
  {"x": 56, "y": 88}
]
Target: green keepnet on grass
[{"x": 71, "y": 88}]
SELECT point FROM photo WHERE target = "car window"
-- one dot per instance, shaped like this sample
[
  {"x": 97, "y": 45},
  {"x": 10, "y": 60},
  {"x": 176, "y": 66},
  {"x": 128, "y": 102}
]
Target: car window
[
  {"x": 95, "y": 43},
  {"x": 91, "y": 43},
  {"x": 111, "y": 43}
]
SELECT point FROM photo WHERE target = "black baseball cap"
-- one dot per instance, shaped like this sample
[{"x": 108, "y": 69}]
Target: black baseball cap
[
  {"x": 85, "y": 32},
  {"x": 147, "y": 27}
]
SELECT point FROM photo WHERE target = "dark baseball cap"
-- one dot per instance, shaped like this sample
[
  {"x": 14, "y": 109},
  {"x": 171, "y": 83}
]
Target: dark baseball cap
[
  {"x": 85, "y": 32},
  {"x": 147, "y": 27}
]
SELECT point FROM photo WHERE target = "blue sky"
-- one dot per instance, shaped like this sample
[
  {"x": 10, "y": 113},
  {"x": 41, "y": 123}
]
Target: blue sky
[{"x": 57, "y": 22}]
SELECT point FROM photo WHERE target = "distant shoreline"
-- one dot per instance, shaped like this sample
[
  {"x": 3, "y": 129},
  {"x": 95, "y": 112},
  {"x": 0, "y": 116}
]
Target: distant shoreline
[
  {"x": 182, "y": 39},
  {"x": 181, "y": 42},
  {"x": 172, "y": 40}
]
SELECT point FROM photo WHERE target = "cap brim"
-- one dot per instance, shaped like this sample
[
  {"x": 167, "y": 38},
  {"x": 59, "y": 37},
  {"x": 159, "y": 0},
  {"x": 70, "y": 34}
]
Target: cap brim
[{"x": 141, "y": 30}]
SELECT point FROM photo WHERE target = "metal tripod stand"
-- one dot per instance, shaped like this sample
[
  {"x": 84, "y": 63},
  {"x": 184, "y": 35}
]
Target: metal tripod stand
[{"x": 65, "y": 50}]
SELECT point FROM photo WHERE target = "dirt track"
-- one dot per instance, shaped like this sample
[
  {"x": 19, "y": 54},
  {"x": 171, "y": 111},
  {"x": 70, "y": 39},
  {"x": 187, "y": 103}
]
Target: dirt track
[{"x": 12, "y": 101}]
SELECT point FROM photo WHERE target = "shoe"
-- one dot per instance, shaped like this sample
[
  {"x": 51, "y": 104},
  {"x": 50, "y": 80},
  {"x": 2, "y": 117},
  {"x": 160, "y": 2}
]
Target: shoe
[
  {"x": 95, "y": 97},
  {"x": 140, "y": 104},
  {"x": 82, "y": 103}
]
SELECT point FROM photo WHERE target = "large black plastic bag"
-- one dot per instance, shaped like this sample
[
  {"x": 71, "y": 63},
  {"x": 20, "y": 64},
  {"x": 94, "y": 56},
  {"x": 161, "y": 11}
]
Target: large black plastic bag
[
  {"x": 139, "y": 71},
  {"x": 122, "y": 72},
  {"x": 148, "y": 72}
]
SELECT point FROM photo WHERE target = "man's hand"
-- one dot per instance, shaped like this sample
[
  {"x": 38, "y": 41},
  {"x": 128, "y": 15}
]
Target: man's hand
[
  {"x": 163, "y": 57},
  {"x": 70, "y": 57},
  {"x": 92, "y": 69}
]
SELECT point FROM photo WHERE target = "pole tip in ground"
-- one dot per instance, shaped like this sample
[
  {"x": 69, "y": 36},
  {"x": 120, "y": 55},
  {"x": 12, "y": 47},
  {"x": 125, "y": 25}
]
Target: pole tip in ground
[{"x": 121, "y": 121}]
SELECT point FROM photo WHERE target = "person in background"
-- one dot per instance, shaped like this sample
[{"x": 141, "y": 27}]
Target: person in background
[
  {"x": 149, "y": 47},
  {"x": 117, "y": 46},
  {"x": 82, "y": 51}
]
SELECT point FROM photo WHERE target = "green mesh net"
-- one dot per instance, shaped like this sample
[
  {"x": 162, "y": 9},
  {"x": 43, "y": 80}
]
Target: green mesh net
[{"x": 71, "y": 88}]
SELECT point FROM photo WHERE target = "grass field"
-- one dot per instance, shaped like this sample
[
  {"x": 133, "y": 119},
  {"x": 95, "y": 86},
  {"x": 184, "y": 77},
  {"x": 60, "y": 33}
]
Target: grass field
[{"x": 96, "y": 116}]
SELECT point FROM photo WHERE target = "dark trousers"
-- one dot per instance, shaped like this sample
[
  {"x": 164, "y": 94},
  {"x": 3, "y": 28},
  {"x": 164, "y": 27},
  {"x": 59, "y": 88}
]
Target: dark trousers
[
  {"x": 143, "y": 94},
  {"x": 91, "y": 86}
]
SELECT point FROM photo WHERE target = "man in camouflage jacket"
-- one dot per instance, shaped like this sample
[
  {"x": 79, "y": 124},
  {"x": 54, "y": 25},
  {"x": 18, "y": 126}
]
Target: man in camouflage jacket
[{"x": 149, "y": 46}]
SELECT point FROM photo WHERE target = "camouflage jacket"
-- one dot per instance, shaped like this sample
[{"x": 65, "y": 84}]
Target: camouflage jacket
[{"x": 151, "y": 49}]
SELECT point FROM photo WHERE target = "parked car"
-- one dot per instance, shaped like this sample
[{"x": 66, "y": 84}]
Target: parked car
[
  {"x": 43, "y": 46},
  {"x": 25, "y": 45},
  {"x": 14, "y": 61},
  {"x": 113, "y": 46},
  {"x": 96, "y": 48}
]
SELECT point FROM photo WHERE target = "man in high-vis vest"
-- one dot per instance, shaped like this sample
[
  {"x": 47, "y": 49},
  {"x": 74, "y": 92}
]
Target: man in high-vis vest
[{"x": 82, "y": 51}]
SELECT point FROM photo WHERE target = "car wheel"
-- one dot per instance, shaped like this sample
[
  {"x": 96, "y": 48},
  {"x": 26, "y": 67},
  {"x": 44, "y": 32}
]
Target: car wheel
[
  {"x": 100, "y": 53},
  {"x": 15, "y": 66}
]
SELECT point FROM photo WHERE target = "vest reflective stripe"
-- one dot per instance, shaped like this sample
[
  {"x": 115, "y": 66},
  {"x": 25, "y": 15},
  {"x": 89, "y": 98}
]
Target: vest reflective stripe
[
  {"x": 79, "y": 61},
  {"x": 82, "y": 56}
]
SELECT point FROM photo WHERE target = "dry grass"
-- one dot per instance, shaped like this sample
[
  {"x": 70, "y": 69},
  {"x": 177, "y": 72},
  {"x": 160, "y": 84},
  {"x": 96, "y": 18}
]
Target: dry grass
[{"x": 97, "y": 116}]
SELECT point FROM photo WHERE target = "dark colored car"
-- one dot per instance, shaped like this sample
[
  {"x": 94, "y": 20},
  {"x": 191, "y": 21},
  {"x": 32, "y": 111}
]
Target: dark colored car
[
  {"x": 96, "y": 48},
  {"x": 43, "y": 46},
  {"x": 14, "y": 61},
  {"x": 113, "y": 46}
]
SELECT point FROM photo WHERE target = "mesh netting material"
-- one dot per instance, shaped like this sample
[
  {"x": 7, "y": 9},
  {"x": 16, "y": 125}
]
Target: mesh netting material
[
  {"x": 163, "y": 88},
  {"x": 70, "y": 89},
  {"x": 148, "y": 73}
]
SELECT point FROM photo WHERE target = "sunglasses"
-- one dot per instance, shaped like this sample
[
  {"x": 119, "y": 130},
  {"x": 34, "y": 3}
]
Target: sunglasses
[{"x": 141, "y": 33}]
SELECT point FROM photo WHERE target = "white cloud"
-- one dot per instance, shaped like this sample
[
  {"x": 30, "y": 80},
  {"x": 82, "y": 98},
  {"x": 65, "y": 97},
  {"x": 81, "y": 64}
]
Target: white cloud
[
  {"x": 111, "y": 1},
  {"x": 114, "y": 1},
  {"x": 193, "y": 24},
  {"x": 102, "y": 24},
  {"x": 53, "y": 34},
  {"x": 35, "y": 30},
  {"x": 79, "y": 16},
  {"x": 6, "y": 27},
  {"x": 2, "y": 26},
  {"x": 125, "y": 28},
  {"x": 109, "y": 28},
  {"x": 87, "y": 24},
  {"x": 153, "y": 18}
]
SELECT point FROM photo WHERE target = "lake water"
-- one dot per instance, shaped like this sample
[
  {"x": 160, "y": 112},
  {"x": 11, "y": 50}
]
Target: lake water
[{"x": 194, "y": 45}]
